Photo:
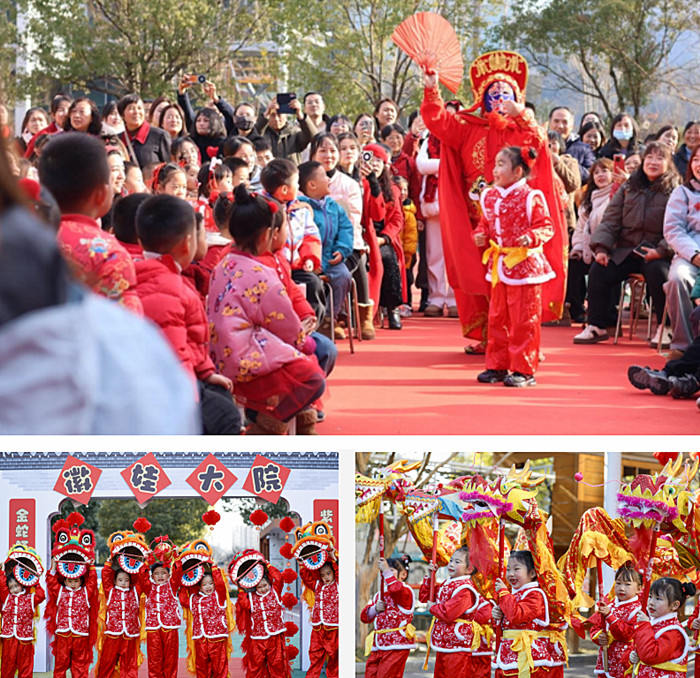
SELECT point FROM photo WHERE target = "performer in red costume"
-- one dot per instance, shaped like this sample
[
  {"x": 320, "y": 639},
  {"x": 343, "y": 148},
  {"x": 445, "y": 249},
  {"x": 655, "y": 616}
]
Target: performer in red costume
[
  {"x": 122, "y": 628},
  {"x": 18, "y": 605},
  {"x": 524, "y": 617},
  {"x": 208, "y": 604},
  {"x": 461, "y": 621},
  {"x": 614, "y": 623},
  {"x": 163, "y": 611},
  {"x": 393, "y": 637},
  {"x": 324, "y": 618},
  {"x": 470, "y": 143}
]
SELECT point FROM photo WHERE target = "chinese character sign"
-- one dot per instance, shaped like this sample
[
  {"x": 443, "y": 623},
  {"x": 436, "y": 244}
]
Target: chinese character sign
[
  {"x": 266, "y": 479},
  {"x": 22, "y": 522},
  {"x": 146, "y": 478},
  {"x": 77, "y": 480},
  {"x": 327, "y": 511},
  {"x": 211, "y": 479}
]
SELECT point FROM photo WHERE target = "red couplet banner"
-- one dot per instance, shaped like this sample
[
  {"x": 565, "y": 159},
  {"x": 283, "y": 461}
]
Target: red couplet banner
[
  {"x": 22, "y": 522},
  {"x": 327, "y": 511}
]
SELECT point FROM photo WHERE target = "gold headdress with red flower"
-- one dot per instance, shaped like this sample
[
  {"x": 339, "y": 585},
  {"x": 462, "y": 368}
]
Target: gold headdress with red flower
[{"x": 503, "y": 65}]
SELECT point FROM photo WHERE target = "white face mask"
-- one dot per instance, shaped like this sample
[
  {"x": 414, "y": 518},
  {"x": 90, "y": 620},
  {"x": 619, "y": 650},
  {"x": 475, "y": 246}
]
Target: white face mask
[{"x": 27, "y": 136}]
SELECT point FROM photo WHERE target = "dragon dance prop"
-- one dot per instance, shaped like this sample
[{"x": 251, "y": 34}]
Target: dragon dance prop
[
  {"x": 24, "y": 564},
  {"x": 74, "y": 546},
  {"x": 314, "y": 547}
]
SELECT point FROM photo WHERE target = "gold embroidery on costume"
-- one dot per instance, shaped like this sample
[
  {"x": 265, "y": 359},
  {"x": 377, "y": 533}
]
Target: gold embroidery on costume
[{"x": 479, "y": 155}]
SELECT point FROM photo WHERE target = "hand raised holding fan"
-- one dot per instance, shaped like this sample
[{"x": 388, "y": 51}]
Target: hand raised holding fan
[{"x": 432, "y": 43}]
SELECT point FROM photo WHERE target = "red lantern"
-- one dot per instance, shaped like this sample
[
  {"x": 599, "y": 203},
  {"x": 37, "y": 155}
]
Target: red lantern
[
  {"x": 258, "y": 517},
  {"x": 286, "y": 551},
  {"x": 287, "y": 524},
  {"x": 664, "y": 457},
  {"x": 288, "y": 575},
  {"x": 211, "y": 517},
  {"x": 290, "y": 629},
  {"x": 291, "y": 652},
  {"x": 289, "y": 600},
  {"x": 142, "y": 525}
]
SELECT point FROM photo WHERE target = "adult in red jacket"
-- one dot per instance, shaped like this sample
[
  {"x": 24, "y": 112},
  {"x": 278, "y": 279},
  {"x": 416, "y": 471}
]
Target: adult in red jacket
[{"x": 470, "y": 143}]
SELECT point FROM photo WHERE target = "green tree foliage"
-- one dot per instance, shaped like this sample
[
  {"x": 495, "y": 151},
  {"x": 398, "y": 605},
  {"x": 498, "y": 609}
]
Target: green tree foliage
[
  {"x": 349, "y": 55},
  {"x": 614, "y": 51},
  {"x": 8, "y": 51},
  {"x": 119, "y": 46},
  {"x": 246, "y": 505}
]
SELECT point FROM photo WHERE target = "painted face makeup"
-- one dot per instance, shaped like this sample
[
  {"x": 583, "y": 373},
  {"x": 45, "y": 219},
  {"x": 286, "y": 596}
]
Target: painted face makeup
[{"x": 498, "y": 93}]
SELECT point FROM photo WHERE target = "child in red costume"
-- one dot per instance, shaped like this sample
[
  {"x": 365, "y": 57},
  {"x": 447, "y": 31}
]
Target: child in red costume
[
  {"x": 391, "y": 613},
  {"x": 163, "y": 614},
  {"x": 461, "y": 614},
  {"x": 18, "y": 605},
  {"x": 524, "y": 615},
  {"x": 514, "y": 226},
  {"x": 661, "y": 645},
  {"x": 613, "y": 625},
  {"x": 693, "y": 626},
  {"x": 122, "y": 628},
  {"x": 259, "y": 617},
  {"x": 72, "y": 617},
  {"x": 324, "y": 619},
  {"x": 210, "y": 629}
]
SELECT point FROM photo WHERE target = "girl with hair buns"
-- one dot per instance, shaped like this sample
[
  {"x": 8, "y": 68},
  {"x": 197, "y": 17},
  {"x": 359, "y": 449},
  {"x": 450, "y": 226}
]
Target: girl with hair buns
[
  {"x": 257, "y": 339},
  {"x": 514, "y": 226},
  {"x": 391, "y": 614}
]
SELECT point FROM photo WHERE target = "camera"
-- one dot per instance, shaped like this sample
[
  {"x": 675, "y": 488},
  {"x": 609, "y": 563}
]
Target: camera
[
  {"x": 196, "y": 79},
  {"x": 283, "y": 100},
  {"x": 367, "y": 156}
]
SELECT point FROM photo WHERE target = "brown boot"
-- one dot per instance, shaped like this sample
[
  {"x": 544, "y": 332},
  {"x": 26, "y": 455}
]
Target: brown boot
[
  {"x": 367, "y": 321},
  {"x": 265, "y": 425},
  {"x": 306, "y": 423}
]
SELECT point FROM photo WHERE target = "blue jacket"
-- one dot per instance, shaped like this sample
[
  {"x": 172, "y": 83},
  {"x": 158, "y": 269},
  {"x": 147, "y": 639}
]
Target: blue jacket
[
  {"x": 583, "y": 153},
  {"x": 334, "y": 227}
]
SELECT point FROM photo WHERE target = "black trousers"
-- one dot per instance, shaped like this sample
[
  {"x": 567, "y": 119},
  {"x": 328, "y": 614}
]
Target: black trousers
[
  {"x": 220, "y": 415},
  {"x": 688, "y": 363},
  {"x": 314, "y": 291},
  {"x": 391, "y": 291},
  {"x": 603, "y": 281},
  {"x": 576, "y": 286}
]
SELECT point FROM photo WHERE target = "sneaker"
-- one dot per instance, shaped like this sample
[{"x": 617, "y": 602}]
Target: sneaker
[
  {"x": 683, "y": 387},
  {"x": 433, "y": 311},
  {"x": 644, "y": 377},
  {"x": 520, "y": 380},
  {"x": 405, "y": 311},
  {"x": 591, "y": 335},
  {"x": 492, "y": 376},
  {"x": 452, "y": 312},
  {"x": 665, "y": 337}
]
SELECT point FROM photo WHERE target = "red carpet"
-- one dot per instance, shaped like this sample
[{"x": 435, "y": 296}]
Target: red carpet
[{"x": 418, "y": 381}]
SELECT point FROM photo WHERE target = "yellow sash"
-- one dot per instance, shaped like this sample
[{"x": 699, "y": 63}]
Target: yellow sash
[
  {"x": 522, "y": 644},
  {"x": 664, "y": 666},
  {"x": 410, "y": 635},
  {"x": 478, "y": 630},
  {"x": 512, "y": 257}
]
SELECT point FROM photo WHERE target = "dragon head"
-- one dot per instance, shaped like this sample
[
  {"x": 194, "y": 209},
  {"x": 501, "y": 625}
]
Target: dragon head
[
  {"x": 24, "y": 564},
  {"x": 663, "y": 498},
  {"x": 74, "y": 548},
  {"x": 128, "y": 550},
  {"x": 369, "y": 492},
  {"x": 315, "y": 545},
  {"x": 247, "y": 568},
  {"x": 511, "y": 497},
  {"x": 196, "y": 558}
]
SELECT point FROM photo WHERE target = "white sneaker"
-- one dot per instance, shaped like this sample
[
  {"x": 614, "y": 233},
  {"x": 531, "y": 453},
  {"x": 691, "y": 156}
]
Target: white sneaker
[
  {"x": 591, "y": 335},
  {"x": 665, "y": 341}
]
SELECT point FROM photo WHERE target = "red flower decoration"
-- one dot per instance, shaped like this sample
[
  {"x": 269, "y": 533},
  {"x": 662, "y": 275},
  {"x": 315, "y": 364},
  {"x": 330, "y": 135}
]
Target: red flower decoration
[
  {"x": 291, "y": 652},
  {"x": 664, "y": 457},
  {"x": 287, "y": 524},
  {"x": 288, "y": 575},
  {"x": 142, "y": 525},
  {"x": 578, "y": 476},
  {"x": 286, "y": 550},
  {"x": 211, "y": 517},
  {"x": 75, "y": 519},
  {"x": 290, "y": 629},
  {"x": 289, "y": 600},
  {"x": 258, "y": 517}
]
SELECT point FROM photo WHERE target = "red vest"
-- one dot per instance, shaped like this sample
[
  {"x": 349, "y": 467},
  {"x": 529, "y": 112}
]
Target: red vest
[
  {"x": 544, "y": 651},
  {"x": 266, "y": 615},
  {"x": 73, "y": 611},
  {"x": 208, "y": 616},
  {"x": 394, "y": 617},
  {"x": 454, "y": 636},
  {"x": 123, "y": 613},
  {"x": 619, "y": 651},
  {"x": 18, "y": 616},
  {"x": 509, "y": 213},
  {"x": 325, "y": 609},
  {"x": 669, "y": 624},
  {"x": 162, "y": 608}
]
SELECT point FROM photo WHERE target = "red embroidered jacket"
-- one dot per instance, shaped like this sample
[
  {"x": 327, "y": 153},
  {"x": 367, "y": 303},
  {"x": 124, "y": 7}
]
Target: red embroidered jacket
[{"x": 17, "y": 610}]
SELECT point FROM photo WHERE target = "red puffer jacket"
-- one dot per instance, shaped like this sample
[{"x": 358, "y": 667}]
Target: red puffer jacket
[{"x": 172, "y": 302}]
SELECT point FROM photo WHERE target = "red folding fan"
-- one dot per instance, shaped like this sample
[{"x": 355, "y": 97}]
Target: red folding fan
[{"x": 432, "y": 43}]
